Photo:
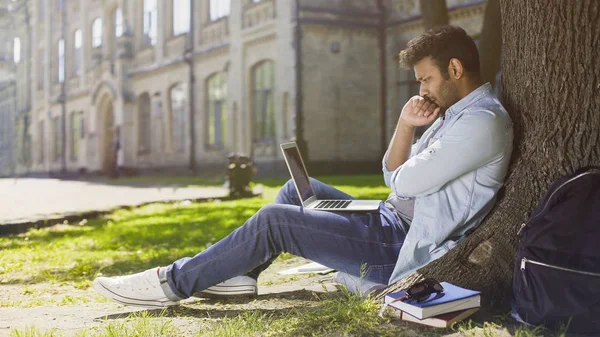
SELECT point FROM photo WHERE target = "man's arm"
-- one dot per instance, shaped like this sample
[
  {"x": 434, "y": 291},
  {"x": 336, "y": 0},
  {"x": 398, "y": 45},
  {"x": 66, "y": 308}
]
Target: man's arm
[
  {"x": 416, "y": 112},
  {"x": 399, "y": 148},
  {"x": 473, "y": 141}
]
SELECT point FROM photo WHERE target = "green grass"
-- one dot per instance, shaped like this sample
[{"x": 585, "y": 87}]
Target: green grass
[
  {"x": 32, "y": 331},
  {"x": 141, "y": 324},
  {"x": 346, "y": 315}
]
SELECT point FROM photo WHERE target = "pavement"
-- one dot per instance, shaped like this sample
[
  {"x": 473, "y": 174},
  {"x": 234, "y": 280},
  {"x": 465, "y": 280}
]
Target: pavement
[{"x": 31, "y": 202}]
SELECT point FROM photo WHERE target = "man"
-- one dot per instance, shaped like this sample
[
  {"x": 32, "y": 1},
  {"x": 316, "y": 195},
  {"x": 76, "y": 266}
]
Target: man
[{"x": 442, "y": 187}]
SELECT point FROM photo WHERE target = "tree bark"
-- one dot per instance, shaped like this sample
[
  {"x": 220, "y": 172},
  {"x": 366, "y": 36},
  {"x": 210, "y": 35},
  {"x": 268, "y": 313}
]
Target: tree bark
[
  {"x": 490, "y": 45},
  {"x": 551, "y": 86},
  {"x": 434, "y": 13}
]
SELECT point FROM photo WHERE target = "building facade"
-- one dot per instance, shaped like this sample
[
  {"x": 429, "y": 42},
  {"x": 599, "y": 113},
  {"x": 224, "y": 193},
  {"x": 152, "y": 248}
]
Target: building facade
[
  {"x": 14, "y": 88},
  {"x": 146, "y": 84}
]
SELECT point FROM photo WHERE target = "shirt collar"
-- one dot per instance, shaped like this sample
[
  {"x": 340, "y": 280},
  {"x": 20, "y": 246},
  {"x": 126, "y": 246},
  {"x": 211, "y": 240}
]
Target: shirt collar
[{"x": 471, "y": 98}]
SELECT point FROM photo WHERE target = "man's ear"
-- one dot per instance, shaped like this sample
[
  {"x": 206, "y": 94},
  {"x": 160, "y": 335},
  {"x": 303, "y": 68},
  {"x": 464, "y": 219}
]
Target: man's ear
[{"x": 455, "y": 69}]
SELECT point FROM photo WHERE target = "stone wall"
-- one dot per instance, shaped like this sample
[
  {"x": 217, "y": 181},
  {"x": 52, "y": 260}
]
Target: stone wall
[{"x": 341, "y": 75}]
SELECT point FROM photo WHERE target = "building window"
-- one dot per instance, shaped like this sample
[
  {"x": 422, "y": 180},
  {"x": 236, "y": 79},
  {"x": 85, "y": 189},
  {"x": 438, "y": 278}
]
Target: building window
[
  {"x": 58, "y": 139},
  {"x": 219, "y": 9},
  {"x": 144, "y": 124},
  {"x": 150, "y": 22},
  {"x": 97, "y": 33},
  {"x": 74, "y": 135},
  {"x": 118, "y": 22},
  {"x": 263, "y": 80},
  {"x": 181, "y": 17},
  {"x": 178, "y": 95},
  {"x": 217, "y": 95},
  {"x": 61, "y": 61},
  {"x": 41, "y": 142},
  {"x": 81, "y": 125},
  {"x": 77, "y": 52},
  {"x": 17, "y": 50}
]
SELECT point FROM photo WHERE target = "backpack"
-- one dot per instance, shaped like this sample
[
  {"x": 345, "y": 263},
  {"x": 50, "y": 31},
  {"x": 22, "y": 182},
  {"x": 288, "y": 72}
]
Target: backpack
[{"x": 557, "y": 267}]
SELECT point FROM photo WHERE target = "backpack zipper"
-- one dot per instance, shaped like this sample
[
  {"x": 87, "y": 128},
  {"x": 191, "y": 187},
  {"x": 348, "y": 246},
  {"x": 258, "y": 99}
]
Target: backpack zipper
[
  {"x": 520, "y": 229},
  {"x": 526, "y": 260},
  {"x": 550, "y": 198}
]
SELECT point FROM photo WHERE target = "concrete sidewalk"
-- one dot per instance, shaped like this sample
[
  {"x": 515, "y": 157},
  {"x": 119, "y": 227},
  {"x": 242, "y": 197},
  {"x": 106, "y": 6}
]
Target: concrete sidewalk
[{"x": 29, "y": 202}]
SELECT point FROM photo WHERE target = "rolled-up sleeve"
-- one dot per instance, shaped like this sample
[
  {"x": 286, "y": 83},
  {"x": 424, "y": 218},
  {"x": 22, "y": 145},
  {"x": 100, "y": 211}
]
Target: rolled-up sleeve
[
  {"x": 387, "y": 174},
  {"x": 473, "y": 141}
]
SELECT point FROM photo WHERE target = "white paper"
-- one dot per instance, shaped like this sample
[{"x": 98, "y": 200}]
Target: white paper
[{"x": 312, "y": 267}]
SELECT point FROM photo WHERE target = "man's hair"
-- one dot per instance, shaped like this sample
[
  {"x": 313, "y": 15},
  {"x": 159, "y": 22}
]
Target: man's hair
[{"x": 442, "y": 43}]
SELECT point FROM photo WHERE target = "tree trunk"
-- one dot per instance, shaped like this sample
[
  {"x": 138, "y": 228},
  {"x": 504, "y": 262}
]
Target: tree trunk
[
  {"x": 490, "y": 45},
  {"x": 551, "y": 86},
  {"x": 434, "y": 12}
]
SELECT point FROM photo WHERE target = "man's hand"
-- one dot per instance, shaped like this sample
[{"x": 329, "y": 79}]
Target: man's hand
[{"x": 419, "y": 111}]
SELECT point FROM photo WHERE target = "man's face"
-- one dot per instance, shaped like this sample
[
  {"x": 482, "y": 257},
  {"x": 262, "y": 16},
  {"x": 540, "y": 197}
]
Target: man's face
[{"x": 443, "y": 92}]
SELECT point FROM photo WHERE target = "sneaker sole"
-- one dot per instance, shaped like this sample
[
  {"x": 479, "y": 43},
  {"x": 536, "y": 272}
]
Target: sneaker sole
[
  {"x": 232, "y": 291},
  {"x": 100, "y": 288}
]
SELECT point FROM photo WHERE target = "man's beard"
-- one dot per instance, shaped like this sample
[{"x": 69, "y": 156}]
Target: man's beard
[{"x": 447, "y": 96}]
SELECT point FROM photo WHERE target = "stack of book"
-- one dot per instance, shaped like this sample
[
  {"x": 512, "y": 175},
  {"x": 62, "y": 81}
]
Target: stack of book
[{"x": 438, "y": 310}]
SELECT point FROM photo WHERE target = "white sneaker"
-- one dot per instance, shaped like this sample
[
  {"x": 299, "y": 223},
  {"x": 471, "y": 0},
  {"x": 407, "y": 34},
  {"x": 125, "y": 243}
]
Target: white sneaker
[
  {"x": 243, "y": 286},
  {"x": 141, "y": 289}
]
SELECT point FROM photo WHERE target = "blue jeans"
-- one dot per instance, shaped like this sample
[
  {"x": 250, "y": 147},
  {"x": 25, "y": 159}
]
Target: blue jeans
[{"x": 340, "y": 240}]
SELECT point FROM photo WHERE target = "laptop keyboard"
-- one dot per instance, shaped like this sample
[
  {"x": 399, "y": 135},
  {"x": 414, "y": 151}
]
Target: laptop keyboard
[{"x": 333, "y": 204}]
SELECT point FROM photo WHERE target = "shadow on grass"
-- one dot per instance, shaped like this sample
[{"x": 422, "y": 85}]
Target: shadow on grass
[{"x": 195, "y": 309}]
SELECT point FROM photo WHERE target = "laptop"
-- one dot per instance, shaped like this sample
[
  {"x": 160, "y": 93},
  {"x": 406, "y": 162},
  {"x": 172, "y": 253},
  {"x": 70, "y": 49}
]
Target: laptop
[{"x": 295, "y": 164}]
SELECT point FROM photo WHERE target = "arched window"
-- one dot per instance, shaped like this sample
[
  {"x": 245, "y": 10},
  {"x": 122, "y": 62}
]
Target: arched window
[
  {"x": 61, "y": 60},
  {"x": 144, "y": 124},
  {"x": 17, "y": 50},
  {"x": 150, "y": 22},
  {"x": 97, "y": 33},
  {"x": 217, "y": 113},
  {"x": 219, "y": 9},
  {"x": 77, "y": 52},
  {"x": 178, "y": 99},
  {"x": 118, "y": 22},
  {"x": 181, "y": 17},
  {"x": 263, "y": 100}
]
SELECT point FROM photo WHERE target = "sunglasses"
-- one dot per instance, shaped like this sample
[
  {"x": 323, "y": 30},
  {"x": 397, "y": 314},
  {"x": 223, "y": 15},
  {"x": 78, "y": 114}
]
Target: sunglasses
[{"x": 419, "y": 291}]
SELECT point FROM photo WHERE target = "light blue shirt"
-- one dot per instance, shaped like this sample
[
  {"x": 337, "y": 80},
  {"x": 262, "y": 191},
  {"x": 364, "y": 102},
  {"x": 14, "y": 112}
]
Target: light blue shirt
[{"x": 453, "y": 174}]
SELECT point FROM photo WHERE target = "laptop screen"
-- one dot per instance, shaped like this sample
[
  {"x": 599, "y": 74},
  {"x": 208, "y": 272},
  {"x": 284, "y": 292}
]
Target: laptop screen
[{"x": 298, "y": 172}]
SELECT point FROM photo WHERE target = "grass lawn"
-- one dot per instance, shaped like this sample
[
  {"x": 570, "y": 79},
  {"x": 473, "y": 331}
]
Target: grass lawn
[{"x": 72, "y": 255}]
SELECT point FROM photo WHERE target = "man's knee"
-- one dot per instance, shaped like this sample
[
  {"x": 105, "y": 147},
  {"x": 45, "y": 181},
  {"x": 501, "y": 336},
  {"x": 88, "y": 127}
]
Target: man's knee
[
  {"x": 289, "y": 184},
  {"x": 274, "y": 213}
]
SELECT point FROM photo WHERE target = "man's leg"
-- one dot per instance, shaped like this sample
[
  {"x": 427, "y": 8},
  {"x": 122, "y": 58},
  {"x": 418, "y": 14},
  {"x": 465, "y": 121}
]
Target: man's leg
[
  {"x": 343, "y": 241},
  {"x": 289, "y": 196}
]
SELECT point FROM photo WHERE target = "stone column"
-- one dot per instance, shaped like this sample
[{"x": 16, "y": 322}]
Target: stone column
[
  {"x": 125, "y": 107},
  {"x": 285, "y": 72},
  {"x": 237, "y": 81},
  {"x": 159, "y": 48}
]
